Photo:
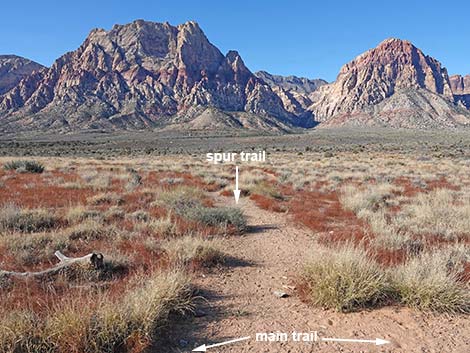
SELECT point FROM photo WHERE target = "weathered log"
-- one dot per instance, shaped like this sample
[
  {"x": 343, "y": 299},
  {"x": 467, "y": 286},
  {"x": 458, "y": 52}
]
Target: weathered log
[{"x": 95, "y": 260}]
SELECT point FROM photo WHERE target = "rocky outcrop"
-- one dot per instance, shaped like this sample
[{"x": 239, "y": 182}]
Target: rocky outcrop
[
  {"x": 14, "y": 68},
  {"x": 396, "y": 79},
  {"x": 140, "y": 75}
]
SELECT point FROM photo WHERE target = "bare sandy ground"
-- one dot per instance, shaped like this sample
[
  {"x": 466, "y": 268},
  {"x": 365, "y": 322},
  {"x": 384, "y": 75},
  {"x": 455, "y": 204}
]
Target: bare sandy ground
[{"x": 240, "y": 302}]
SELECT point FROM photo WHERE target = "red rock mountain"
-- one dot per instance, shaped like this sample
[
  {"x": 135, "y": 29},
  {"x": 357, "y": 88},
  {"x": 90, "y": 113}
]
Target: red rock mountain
[
  {"x": 395, "y": 84},
  {"x": 140, "y": 75},
  {"x": 14, "y": 68},
  {"x": 146, "y": 75}
]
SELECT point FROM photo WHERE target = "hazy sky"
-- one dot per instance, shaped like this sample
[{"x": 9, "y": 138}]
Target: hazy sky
[{"x": 304, "y": 38}]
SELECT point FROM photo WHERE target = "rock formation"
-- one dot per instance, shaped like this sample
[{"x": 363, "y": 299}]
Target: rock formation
[
  {"x": 395, "y": 85},
  {"x": 14, "y": 68},
  {"x": 141, "y": 75}
]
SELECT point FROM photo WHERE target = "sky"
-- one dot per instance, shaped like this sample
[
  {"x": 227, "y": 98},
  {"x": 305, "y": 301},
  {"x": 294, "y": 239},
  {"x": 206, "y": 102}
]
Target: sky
[{"x": 294, "y": 37}]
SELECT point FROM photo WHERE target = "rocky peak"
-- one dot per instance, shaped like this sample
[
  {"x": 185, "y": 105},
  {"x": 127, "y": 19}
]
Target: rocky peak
[
  {"x": 379, "y": 73},
  {"x": 137, "y": 75},
  {"x": 14, "y": 68}
]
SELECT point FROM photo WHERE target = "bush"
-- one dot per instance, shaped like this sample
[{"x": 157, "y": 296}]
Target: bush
[
  {"x": 181, "y": 198},
  {"x": 24, "y": 166},
  {"x": 187, "y": 202},
  {"x": 225, "y": 216},
  {"x": 430, "y": 282},
  {"x": 344, "y": 280}
]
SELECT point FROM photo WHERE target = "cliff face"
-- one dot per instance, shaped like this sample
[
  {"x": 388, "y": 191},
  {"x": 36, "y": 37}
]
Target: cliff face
[
  {"x": 394, "y": 79},
  {"x": 138, "y": 75},
  {"x": 14, "y": 68},
  {"x": 460, "y": 84}
]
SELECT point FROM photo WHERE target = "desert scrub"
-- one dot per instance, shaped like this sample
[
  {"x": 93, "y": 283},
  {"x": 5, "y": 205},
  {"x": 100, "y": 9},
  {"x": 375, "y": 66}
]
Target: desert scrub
[
  {"x": 188, "y": 202},
  {"x": 441, "y": 212},
  {"x": 90, "y": 230},
  {"x": 16, "y": 219},
  {"x": 193, "y": 251},
  {"x": 371, "y": 198},
  {"x": 24, "y": 166},
  {"x": 97, "y": 323},
  {"x": 431, "y": 282},
  {"x": 344, "y": 279},
  {"x": 164, "y": 226},
  {"x": 31, "y": 249},
  {"x": 80, "y": 213},
  {"x": 218, "y": 217},
  {"x": 266, "y": 189}
]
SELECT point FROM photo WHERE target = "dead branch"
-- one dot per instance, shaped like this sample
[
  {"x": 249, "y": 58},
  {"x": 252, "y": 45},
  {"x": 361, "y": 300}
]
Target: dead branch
[{"x": 94, "y": 260}]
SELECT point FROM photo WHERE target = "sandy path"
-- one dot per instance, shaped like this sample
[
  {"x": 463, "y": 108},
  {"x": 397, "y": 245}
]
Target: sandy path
[{"x": 240, "y": 302}]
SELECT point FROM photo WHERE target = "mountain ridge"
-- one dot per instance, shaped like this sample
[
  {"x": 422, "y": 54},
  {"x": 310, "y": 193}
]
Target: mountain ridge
[{"x": 146, "y": 75}]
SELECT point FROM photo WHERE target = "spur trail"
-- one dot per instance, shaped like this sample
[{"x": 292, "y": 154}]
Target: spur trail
[{"x": 240, "y": 301}]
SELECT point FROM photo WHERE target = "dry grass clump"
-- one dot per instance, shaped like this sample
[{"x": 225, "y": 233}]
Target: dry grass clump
[
  {"x": 99, "y": 324},
  {"x": 16, "y": 219},
  {"x": 24, "y": 166},
  {"x": 164, "y": 226},
  {"x": 195, "y": 251},
  {"x": 266, "y": 189},
  {"x": 371, "y": 198},
  {"x": 80, "y": 213},
  {"x": 430, "y": 281},
  {"x": 345, "y": 279},
  {"x": 90, "y": 230},
  {"x": 181, "y": 198},
  {"x": 218, "y": 217},
  {"x": 98, "y": 181},
  {"x": 441, "y": 212}
]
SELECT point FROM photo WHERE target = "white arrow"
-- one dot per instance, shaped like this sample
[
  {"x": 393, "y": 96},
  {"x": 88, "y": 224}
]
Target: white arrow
[
  {"x": 204, "y": 348},
  {"x": 236, "y": 192},
  {"x": 377, "y": 341}
]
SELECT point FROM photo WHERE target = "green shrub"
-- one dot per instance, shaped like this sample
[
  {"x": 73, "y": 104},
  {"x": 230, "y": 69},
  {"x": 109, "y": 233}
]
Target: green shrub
[
  {"x": 24, "y": 166},
  {"x": 344, "y": 280}
]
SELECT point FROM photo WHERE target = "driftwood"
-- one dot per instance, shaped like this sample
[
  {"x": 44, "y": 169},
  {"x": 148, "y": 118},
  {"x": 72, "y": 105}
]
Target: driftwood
[{"x": 94, "y": 260}]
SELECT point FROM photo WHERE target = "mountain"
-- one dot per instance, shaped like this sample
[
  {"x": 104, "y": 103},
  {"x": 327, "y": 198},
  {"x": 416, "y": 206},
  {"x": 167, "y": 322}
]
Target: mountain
[
  {"x": 142, "y": 75},
  {"x": 14, "y": 68},
  {"x": 292, "y": 90},
  {"x": 394, "y": 84}
]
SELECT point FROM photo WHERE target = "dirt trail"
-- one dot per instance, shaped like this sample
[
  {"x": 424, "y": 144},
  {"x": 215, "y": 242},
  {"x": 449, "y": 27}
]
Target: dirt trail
[{"x": 240, "y": 302}]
